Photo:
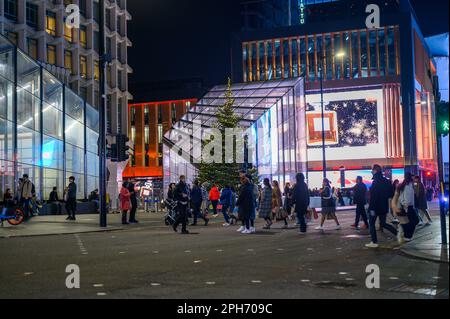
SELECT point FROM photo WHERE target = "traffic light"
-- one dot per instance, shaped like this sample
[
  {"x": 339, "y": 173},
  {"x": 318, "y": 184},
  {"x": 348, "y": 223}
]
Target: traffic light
[
  {"x": 442, "y": 120},
  {"x": 122, "y": 147}
]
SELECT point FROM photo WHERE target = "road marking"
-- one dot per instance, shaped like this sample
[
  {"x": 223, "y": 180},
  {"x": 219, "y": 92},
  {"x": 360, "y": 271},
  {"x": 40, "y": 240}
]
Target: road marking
[
  {"x": 306, "y": 280},
  {"x": 210, "y": 282},
  {"x": 219, "y": 250},
  {"x": 122, "y": 252},
  {"x": 101, "y": 293},
  {"x": 187, "y": 251},
  {"x": 250, "y": 249},
  {"x": 197, "y": 261},
  {"x": 28, "y": 274},
  {"x": 83, "y": 249},
  {"x": 154, "y": 284},
  {"x": 343, "y": 273},
  {"x": 156, "y": 252},
  {"x": 256, "y": 281},
  {"x": 394, "y": 278},
  {"x": 349, "y": 279},
  {"x": 97, "y": 285}
]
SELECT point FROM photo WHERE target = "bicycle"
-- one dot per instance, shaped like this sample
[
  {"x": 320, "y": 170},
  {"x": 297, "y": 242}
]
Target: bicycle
[{"x": 13, "y": 215}]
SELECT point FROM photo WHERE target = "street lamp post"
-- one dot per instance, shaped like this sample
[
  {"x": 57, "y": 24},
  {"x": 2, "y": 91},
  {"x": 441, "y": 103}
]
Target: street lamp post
[
  {"x": 102, "y": 121},
  {"x": 324, "y": 157}
]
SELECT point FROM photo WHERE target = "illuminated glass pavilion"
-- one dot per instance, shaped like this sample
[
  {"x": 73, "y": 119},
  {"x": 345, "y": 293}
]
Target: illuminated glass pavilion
[{"x": 273, "y": 116}]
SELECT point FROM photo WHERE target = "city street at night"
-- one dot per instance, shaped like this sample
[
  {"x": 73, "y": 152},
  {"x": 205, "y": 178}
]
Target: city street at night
[{"x": 214, "y": 262}]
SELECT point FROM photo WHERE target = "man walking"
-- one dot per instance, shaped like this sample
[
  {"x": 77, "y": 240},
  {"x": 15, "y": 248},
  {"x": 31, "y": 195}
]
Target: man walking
[
  {"x": 380, "y": 193},
  {"x": 133, "y": 200},
  {"x": 360, "y": 199},
  {"x": 71, "y": 200},
  {"x": 300, "y": 198},
  {"x": 25, "y": 195},
  {"x": 182, "y": 197}
]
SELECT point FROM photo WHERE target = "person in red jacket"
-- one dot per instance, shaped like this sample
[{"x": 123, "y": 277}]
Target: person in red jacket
[
  {"x": 125, "y": 202},
  {"x": 214, "y": 196}
]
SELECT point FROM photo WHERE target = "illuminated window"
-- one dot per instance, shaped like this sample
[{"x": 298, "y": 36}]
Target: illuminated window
[
  {"x": 96, "y": 71},
  {"x": 83, "y": 66},
  {"x": 146, "y": 114},
  {"x": 68, "y": 33},
  {"x": 68, "y": 61},
  {"x": 83, "y": 37},
  {"x": 160, "y": 133},
  {"x": 188, "y": 105},
  {"x": 133, "y": 134},
  {"x": 51, "y": 54},
  {"x": 50, "y": 25},
  {"x": 146, "y": 134}
]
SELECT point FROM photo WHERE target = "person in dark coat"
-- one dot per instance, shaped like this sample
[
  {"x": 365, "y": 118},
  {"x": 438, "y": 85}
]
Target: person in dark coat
[
  {"x": 181, "y": 194},
  {"x": 71, "y": 202},
  {"x": 197, "y": 200},
  {"x": 265, "y": 204},
  {"x": 171, "y": 192},
  {"x": 420, "y": 201},
  {"x": 246, "y": 203},
  {"x": 380, "y": 193},
  {"x": 360, "y": 199},
  {"x": 288, "y": 198},
  {"x": 133, "y": 200},
  {"x": 300, "y": 198},
  {"x": 225, "y": 201}
]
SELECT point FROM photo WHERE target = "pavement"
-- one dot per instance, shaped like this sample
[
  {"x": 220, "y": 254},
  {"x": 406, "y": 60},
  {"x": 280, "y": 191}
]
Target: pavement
[
  {"x": 58, "y": 225},
  {"x": 149, "y": 260}
]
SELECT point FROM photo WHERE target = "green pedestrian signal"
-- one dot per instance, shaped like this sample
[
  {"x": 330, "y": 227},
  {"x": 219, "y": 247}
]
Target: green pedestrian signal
[{"x": 442, "y": 120}]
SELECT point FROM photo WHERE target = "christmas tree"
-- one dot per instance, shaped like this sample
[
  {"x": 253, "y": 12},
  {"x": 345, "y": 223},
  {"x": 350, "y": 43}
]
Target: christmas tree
[{"x": 223, "y": 173}]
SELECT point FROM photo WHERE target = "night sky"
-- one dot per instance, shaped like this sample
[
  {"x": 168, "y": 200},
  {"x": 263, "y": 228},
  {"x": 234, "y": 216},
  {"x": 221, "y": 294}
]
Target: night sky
[{"x": 176, "y": 39}]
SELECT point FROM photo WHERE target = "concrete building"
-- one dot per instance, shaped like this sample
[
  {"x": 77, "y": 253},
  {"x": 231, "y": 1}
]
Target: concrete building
[{"x": 38, "y": 29}]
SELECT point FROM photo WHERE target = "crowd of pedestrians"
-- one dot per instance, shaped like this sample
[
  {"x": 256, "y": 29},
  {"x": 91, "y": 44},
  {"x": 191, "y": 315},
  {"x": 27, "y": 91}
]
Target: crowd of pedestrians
[{"x": 405, "y": 203}]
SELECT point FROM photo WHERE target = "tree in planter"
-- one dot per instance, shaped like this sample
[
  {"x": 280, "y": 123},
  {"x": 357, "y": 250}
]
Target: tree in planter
[{"x": 222, "y": 173}]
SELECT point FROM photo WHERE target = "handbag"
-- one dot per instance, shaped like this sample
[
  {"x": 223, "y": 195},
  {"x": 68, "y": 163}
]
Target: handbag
[{"x": 281, "y": 214}]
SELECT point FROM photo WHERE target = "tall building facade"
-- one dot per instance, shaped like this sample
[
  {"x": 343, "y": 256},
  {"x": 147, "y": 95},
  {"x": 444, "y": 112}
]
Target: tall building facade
[
  {"x": 380, "y": 84},
  {"x": 38, "y": 28},
  {"x": 269, "y": 14},
  {"x": 46, "y": 130},
  {"x": 148, "y": 124}
]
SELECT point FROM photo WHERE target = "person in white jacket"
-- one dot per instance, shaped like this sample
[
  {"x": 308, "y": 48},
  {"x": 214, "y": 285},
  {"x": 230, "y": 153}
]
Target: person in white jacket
[{"x": 403, "y": 207}]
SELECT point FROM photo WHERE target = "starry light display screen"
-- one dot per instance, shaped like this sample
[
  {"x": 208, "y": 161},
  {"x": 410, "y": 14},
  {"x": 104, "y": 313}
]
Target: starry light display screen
[{"x": 353, "y": 123}]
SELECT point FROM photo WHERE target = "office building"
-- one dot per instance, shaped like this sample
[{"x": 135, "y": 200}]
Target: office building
[
  {"x": 46, "y": 130},
  {"x": 148, "y": 124},
  {"x": 38, "y": 28}
]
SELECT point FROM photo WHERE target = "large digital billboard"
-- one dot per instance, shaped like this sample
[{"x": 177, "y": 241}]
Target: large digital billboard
[{"x": 353, "y": 124}]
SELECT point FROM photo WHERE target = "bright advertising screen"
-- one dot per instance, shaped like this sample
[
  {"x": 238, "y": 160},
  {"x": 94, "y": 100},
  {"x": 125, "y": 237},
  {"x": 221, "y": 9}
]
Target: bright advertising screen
[
  {"x": 315, "y": 178},
  {"x": 353, "y": 123}
]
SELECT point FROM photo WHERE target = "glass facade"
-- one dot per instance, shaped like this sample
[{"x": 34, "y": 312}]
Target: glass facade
[
  {"x": 367, "y": 53},
  {"x": 272, "y": 117},
  {"x": 46, "y": 130}
]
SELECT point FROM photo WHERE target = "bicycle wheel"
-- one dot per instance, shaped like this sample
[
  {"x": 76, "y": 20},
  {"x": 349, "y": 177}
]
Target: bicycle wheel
[{"x": 19, "y": 217}]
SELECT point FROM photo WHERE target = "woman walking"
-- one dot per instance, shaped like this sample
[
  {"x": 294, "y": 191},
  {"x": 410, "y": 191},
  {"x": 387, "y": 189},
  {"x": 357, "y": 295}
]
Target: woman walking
[
  {"x": 246, "y": 204},
  {"x": 265, "y": 204},
  {"x": 403, "y": 204},
  {"x": 288, "y": 199},
  {"x": 420, "y": 201},
  {"x": 328, "y": 205},
  {"x": 277, "y": 203},
  {"x": 125, "y": 202}
]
